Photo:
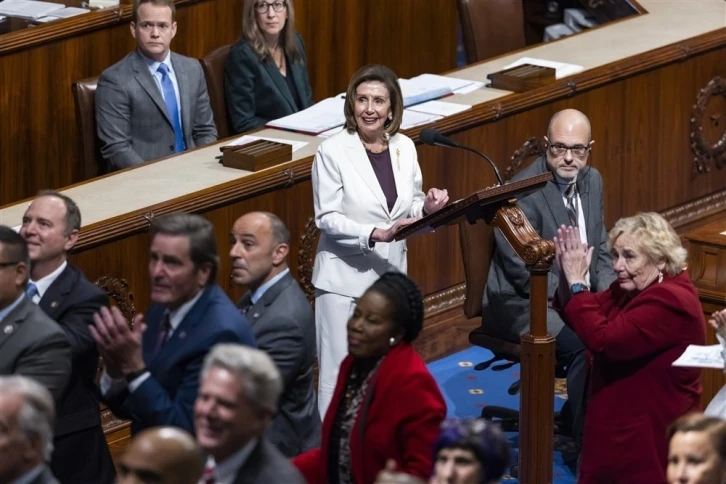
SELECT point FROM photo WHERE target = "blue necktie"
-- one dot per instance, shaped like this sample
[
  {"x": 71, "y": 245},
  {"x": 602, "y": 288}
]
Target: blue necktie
[
  {"x": 172, "y": 107},
  {"x": 31, "y": 290}
]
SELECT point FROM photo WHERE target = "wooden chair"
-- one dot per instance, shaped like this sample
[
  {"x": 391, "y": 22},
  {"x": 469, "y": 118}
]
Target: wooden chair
[
  {"x": 213, "y": 67},
  {"x": 84, "y": 96},
  {"x": 491, "y": 27}
]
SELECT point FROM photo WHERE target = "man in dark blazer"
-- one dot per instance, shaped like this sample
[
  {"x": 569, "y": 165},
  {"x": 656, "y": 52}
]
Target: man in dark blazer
[
  {"x": 283, "y": 323},
  {"x": 50, "y": 227},
  {"x": 31, "y": 344},
  {"x": 153, "y": 103},
  {"x": 505, "y": 311},
  {"x": 238, "y": 396},
  {"x": 152, "y": 365},
  {"x": 26, "y": 429}
]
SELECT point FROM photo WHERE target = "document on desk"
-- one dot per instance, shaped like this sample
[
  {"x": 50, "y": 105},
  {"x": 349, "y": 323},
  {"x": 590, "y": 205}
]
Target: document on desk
[
  {"x": 414, "y": 118},
  {"x": 322, "y": 116},
  {"x": 28, "y": 9},
  {"x": 439, "y": 108},
  {"x": 421, "y": 89},
  {"x": 246, "y": 139},
  {"x": 69, "y": 12},
  {"x": 696, "y": 356},
  {"x": 562, "y": 69}
]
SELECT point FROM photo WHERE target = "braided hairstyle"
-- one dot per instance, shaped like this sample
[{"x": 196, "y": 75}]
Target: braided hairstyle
[{"x": 406, "y": 301}]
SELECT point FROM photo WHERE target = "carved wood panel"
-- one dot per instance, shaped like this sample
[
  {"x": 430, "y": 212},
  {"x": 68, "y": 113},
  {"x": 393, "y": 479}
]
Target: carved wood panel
[{"x": 708, "y": 127}]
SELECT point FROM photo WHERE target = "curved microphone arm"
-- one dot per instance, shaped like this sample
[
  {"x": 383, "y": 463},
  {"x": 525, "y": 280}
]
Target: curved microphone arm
[{"x": 494, "y": 167}]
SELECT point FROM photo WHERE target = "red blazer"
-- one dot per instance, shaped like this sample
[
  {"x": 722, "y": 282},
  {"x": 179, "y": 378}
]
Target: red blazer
[
  {"x": 401, "y": 422},
  {"x": 635, "y": 393}
]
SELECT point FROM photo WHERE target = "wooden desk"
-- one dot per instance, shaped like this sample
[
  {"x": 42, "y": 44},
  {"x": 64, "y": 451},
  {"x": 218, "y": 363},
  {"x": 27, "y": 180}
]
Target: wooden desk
[
  {"x": 642, "y": 77},
  {"x": 707, "y": 267}
]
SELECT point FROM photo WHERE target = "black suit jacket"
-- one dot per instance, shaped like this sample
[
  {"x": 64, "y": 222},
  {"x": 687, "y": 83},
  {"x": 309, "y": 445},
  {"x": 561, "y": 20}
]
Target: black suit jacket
[
  {"x": 256, "y": 92},
  {"x": 284, "y": 327},
  {"x": 71, "y": 300},
  {"x": 267, "y": 465}
]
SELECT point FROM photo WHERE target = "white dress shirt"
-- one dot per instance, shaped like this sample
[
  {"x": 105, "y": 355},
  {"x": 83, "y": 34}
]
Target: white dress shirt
[
  {"x": 260, "y": 291},
  {"x": 44, "y": 283},
  {"x": 226, "y": 471},
  {"x": 154, "y": 70},
  {"x": 564, "y": 185}
]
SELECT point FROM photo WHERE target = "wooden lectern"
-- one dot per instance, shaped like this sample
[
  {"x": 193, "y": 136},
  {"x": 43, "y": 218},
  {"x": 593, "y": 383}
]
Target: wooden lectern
[{"x": 497, "y": 206}]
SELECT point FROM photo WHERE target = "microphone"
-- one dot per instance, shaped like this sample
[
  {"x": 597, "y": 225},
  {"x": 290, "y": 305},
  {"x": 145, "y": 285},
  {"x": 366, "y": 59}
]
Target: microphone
[{"x": 432, "y": 137}]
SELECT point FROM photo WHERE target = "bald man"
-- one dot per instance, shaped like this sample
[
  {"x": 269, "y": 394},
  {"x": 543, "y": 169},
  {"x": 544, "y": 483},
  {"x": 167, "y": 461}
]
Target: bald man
[
  {"x": 162, "y": 455},
  {"x": 573, "y": 198},
  {"x": 283, "y": 324}
]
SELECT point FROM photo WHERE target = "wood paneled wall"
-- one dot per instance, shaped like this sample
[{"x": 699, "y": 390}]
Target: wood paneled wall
[{"x": 40, "y": 147}]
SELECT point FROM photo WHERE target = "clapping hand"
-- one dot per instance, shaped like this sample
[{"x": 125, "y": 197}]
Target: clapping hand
[
  {"x": 718, "y": 321},
  {"x": 573, "y": 256},
  {"x": 389, "y": 475},
  {"x": 435, "y": 200},
  {"x": 118, "y": 344}
]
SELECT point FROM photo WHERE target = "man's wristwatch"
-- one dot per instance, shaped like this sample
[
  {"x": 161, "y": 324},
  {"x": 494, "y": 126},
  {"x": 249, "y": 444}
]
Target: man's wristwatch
[
  {"x": 578, "y": 287},
  {"x": 135, "y": 374}
]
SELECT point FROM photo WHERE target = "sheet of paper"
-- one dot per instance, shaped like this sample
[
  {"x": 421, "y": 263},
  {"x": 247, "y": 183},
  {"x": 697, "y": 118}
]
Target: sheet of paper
[
  {"x": 414, "y": 118},
  {"x": 696, "y": 356},
  {"x": 440, "y": 108},
  {"x": 331, "y": 132},
  {"x": 296, "y": 145},
  {"x": 562, "y": 69},
  {"x": 69, "y": 12},
  {"x": 319, "y": 117},
  {"x": 437, "y": 81},
  {"x": 420, "y": 89},
  {"x": 45, "y": 20},
  {"x": 470, "y": 88},
  {"x": 723, "y": 233},
  {"x": 29, "y": 9}
]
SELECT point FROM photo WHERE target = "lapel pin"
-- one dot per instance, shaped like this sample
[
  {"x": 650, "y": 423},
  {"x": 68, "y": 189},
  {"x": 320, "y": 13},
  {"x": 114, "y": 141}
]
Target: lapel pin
[
  {"x": 8, "y": 329},
  {"x": 256, "y": 315},
  {"x": 53, "y": 304},
  {"x": 182, "y": 335},
  {"x": 398, "y": 158}
]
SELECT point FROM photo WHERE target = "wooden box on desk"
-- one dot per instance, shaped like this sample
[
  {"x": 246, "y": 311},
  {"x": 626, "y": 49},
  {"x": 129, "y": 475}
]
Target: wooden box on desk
[
  {"x": 256, "y": 156},
  {"x": 522, "y": 78}
]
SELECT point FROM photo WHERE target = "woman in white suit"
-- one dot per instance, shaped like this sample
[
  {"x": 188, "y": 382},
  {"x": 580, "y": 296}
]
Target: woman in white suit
[{"x": 366, "y": 185}]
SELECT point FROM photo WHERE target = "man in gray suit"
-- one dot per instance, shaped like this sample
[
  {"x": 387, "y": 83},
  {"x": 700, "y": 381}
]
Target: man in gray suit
[
  {"x": 238, "y": 395},
  {"x": 574, "y": 198},
  {"x": 283, "y": 324},
  {"x": 31, "y": 343},
  {"x": 27, "y": 417},
  {"x": 153, "y": 103}
]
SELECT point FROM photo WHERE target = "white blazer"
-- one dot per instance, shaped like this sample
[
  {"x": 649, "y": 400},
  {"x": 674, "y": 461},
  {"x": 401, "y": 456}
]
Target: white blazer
[{"x": 349, "y": 204}]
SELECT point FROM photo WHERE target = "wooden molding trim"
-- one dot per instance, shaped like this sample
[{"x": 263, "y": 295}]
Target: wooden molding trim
[
  {"x": 446, "y": 300},
  {"x": 111, "y": 423},
  {"x": 695, "y": 210},
  {"x": 95, "y": 20}
]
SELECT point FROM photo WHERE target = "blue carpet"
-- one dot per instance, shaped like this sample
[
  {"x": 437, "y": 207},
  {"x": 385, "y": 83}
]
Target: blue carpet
[{"x": 467, "y": 391}]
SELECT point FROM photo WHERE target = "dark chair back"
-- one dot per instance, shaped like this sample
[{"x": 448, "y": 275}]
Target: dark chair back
[
  {"x": 477, "y": 248},
  {"x": 84, "y": 96},
  {"x": 491, "y": 27},
  {"x": 213, "y": 67}
]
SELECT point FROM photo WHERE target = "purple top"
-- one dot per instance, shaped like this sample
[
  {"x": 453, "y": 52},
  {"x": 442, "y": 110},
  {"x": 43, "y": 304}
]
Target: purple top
[{"x": 383, "y": 168}]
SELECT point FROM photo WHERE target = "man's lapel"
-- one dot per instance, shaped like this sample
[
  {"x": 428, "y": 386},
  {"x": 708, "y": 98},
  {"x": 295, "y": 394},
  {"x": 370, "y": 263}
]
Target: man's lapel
[
  {"x": 57, "y": 292},
  {"x": 258, "y": 310},
  {"x": 143, "y": 77},
  {"x": 182, "y": 80},
  {"x": 11, "y": 323}
]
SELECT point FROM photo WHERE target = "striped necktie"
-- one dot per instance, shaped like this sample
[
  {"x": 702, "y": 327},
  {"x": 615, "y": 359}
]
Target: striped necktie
[
  {"x": 571, "y": 205},
  {"x": 163, "y": 336}
]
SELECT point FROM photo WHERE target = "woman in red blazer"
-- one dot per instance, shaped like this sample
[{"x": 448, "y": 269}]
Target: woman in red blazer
[
  {"x": 386, "y": 404},
  {"x": 633, "y": 332}
]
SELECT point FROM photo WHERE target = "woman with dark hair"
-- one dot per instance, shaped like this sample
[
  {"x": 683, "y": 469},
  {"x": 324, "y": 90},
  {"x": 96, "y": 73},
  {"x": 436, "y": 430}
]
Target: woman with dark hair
[
  {"x": 697, "y": 450},
  {"x": 386, "y": 404},
  {"x": 366, "y": 186},
  {"x": 470, "y": 451},
  {"x": 266, "y": 74}
]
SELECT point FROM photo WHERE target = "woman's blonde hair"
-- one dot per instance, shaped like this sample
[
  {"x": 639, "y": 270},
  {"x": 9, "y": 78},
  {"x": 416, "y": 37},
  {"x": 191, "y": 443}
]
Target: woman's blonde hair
[
  {"x": 654, "y": 236},
  {"x": 251, "y": 33}
]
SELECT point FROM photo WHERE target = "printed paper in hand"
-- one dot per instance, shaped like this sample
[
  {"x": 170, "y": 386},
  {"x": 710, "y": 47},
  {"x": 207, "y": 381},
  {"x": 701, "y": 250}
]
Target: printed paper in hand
[{"x": 697, "y": 356}]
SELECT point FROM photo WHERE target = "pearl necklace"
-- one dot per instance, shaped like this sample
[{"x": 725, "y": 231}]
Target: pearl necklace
[{"x": 365, "y": 145}]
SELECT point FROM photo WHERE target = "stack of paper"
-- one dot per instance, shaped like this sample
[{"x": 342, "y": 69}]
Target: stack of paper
[
  {"x": 325, "y": 115},
  {"x": 28, "y": 9},
  {"x": 415, "y": 118},
  {"x": 562, "y": 69},
  {"x": 439, "y": 108},
  {"x": 420, "y": 89}
]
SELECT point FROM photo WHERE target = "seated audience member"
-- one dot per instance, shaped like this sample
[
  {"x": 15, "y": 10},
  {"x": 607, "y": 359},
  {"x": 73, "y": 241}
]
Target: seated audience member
[
  {"x": 153, "y": 103},
  {"x": 717, "y": 406},
  {"x": 386, "y": 404},
  {"x": 152, "y": 366},
  {"x": 573, "y": 197},
  {"x": 31, "y": 343},
  {"x": 467, "y": 452},
  {"x": 633, "y": 332},
  {"x": 50, "y": 227},
  {"x": 697, "y": 450},
  {"x": 161, "y": 455},
  {"x": 238, "y": 395},
  {"x": 282, "y": 321},
  {"x": 266, "y": 74},
  {"x": 27, "y": 417}
]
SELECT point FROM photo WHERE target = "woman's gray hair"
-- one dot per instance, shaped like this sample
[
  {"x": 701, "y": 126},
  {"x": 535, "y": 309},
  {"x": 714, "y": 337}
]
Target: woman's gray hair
[
  {"x": 256, "y": 372},
  {"x": 37, "y": 414},
  {"x": 655, "y": 237}
]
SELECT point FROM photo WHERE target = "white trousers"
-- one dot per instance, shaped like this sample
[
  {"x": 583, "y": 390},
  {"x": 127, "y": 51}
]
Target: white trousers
[{"x": 332, "y": 312}]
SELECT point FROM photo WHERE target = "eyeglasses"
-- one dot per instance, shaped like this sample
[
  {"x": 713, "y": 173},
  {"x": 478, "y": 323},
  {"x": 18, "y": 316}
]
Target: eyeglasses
[
  {"x": 8, "y": 264},
  {"x": 578, "y": 151},
  {"x": 263, "y": 7}
]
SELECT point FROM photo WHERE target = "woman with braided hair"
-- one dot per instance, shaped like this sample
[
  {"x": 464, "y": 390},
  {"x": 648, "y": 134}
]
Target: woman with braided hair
[{"x": 386, "y": 404}]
